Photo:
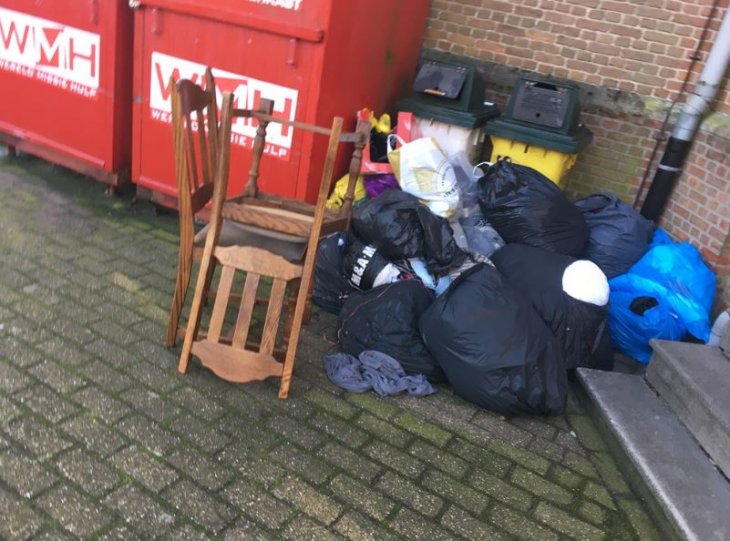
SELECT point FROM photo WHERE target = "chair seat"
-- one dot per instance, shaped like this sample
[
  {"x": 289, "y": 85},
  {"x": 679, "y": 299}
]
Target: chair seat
[
  {"x": 277, "y": 219},
  {"x": 290, "y": 247}
]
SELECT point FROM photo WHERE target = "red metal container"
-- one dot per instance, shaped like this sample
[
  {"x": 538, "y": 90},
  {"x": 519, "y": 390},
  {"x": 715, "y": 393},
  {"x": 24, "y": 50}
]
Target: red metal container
[
  {"x": 314, "y": 58},
  {"x": 66, "y": 75}
]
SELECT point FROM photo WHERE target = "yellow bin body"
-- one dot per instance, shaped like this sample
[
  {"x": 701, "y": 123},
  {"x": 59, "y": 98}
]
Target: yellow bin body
[{"x": 551, "y": 163}]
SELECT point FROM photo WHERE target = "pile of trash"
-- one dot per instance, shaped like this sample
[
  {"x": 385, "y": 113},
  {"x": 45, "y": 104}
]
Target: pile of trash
[{"x": 494, "y": 282}]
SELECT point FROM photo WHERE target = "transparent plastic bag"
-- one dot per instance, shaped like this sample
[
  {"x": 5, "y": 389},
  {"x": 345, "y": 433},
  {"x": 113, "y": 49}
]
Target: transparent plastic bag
[{"x": 467, "y": 177}]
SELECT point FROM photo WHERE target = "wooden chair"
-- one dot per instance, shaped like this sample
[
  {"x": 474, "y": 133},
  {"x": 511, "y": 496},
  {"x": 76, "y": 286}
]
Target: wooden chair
[
  {"x": 196, "y": 145},
  {"x": 195, "y": 140},
  {"x": 249, "y": 358}
]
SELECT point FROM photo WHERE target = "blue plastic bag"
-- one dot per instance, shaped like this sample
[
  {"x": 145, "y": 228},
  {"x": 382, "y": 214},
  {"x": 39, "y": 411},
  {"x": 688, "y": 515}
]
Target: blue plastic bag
[
  {"x": 683, "y": 288},
  {"x": 631, "y": 330},
  {"x": 687, "y": 284},
  {"x": 660, "y": 237}
]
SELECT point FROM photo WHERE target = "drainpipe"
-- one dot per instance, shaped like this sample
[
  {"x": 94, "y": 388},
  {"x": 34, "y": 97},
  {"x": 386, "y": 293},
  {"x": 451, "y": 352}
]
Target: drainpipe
[{"x": 689, "y": 121}]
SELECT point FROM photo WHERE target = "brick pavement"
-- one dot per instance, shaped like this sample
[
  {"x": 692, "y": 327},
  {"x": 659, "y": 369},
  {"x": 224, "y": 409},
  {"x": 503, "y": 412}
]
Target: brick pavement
[{"x": 100, "y": 438}]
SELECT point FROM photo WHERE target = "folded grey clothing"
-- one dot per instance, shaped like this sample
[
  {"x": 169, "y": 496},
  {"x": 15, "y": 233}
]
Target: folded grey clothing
[{"x": 374, "y": 370}]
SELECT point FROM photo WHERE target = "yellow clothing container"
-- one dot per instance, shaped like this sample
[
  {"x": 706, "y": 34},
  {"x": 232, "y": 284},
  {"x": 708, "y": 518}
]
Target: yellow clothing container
[{"x": 541, "y": 128}]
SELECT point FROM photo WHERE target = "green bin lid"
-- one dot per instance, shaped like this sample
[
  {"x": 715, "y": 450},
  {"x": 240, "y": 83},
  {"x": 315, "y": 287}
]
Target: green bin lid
[
  {"x": 449, "y": 92},
  {"x": 544, "y": 104}
]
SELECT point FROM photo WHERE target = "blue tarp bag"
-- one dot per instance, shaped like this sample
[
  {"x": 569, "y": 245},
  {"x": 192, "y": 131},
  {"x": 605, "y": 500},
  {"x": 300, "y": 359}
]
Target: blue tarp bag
[
  {"x": 660, "y": 237},
  {"x": 688, "y": 284},
  {"x": 681, "y": 284},
  {"x": 635, "y": 317}
]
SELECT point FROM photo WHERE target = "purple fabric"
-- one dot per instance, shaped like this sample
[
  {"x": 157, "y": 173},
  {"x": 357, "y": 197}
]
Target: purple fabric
[{"x": 377, "y": 184}]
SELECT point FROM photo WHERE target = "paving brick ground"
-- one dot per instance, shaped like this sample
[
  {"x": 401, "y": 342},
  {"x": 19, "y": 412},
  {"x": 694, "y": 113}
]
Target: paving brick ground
[{"x": 100, "y": 438}]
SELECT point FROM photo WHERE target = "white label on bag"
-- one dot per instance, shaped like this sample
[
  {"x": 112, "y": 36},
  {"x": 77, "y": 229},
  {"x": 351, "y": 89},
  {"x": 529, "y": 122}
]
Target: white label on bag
[
  {"x": 50, "y": 52},
  {"x": 247, "y": 94}
]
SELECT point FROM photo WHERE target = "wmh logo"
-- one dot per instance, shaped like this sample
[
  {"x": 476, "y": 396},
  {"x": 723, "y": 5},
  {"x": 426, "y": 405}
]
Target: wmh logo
[{"x": 50, "y": 47}]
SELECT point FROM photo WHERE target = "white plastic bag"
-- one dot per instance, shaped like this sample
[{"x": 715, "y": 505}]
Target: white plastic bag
[{"x": 423, "y": 170}]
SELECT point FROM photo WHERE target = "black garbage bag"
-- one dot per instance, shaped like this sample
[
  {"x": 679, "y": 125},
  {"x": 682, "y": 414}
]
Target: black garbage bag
[
  {"x": 378, "y": 147},
  {"x": 493, "y": 346},
  {"x": 331, "y": 287},
  {"x": 618, "y": 234},
  {"x": 538, "y": 275},
  {"x": 362, "y": 265},
  {"x": 385, "y": 319},
  {"x": 526, "y": 208},
  {"x": 602, "y": 357},
  {"x": 402, "y": 227}
]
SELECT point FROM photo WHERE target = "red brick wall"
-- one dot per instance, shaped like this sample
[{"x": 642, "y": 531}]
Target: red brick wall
[{"x": 634, "y": 54}]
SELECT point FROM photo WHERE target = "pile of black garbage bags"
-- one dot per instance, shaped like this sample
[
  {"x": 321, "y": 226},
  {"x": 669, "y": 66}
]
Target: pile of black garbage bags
[{"x": 501, "y": 301}]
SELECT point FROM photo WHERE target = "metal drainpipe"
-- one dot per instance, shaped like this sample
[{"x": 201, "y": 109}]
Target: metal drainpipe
[{"x": 688, "y": 122}]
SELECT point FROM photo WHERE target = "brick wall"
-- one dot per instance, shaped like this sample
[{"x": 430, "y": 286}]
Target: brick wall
[
  {"x": 629, "y": 58},
  {"x": 638, "y": 46}
]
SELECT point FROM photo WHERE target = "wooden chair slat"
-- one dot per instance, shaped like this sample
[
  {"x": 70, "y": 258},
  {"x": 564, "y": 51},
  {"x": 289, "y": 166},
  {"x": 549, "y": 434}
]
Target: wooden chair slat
[
  {"x": 221, "y": 302},
  {"x": 200, "y": 197},
  {"x": 204, "y": 154},
  {"x": 273, "y": 316},
  {"x": 191, "y": 156},
  {"x": 245, "y": 310}
]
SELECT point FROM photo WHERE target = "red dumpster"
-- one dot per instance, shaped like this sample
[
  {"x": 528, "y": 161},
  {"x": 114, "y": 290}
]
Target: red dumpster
[
  {"x": 313, "y": 58},
  {"x": 66, "y": 75}
]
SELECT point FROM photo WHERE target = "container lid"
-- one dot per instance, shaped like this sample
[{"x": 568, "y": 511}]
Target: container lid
[
  {"x": 449, "y": 92},
  {"x": 305, "y": 23},
  {"x": 537, "y": 136},
  {"x": 545, "y": 104}
]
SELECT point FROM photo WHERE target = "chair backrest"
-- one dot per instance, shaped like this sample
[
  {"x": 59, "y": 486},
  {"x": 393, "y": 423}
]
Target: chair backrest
[{"x": 196, "y": 144}]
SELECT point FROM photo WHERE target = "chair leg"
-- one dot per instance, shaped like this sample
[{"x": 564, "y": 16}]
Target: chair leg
[
  {"x": 205, "y": 272},
  {"x": 296, "y": 327},
  {"x": 178, "y": 299},
  {"x": 208, "y": 281},
  {"x": 291, "y": 303},
  {"x": 308, "y": 306}
]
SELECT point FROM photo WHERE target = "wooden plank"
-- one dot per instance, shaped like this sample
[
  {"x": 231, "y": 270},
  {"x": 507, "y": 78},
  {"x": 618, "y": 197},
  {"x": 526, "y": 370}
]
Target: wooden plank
[{"x": 236, "y": 365}]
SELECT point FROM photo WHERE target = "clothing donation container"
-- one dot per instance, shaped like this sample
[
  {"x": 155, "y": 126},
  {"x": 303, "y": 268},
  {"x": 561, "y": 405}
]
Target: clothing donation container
[
  {"x": 541, "y": 128},
  {"x": 314, "y": 58},
  {"x": 448, "y": 103},
  {"x": 66, "y": 75}
]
